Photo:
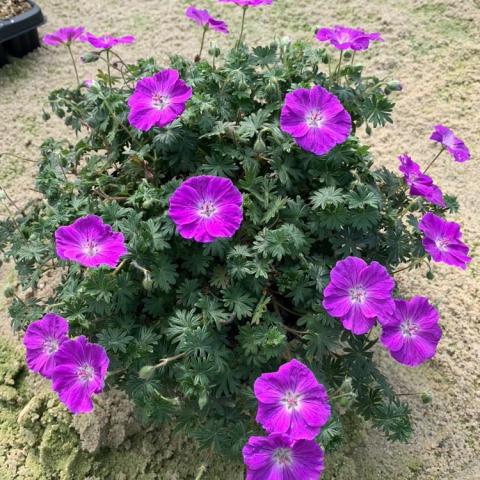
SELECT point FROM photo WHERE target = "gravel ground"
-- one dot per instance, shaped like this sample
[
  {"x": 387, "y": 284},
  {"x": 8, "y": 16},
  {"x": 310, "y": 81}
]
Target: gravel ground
[
  {"x": 431, "y": 47},
  {"x": 10, "y": 8}
]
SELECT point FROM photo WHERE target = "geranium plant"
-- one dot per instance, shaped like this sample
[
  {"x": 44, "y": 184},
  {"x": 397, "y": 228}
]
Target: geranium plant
[{"x": 218, "y": 217}]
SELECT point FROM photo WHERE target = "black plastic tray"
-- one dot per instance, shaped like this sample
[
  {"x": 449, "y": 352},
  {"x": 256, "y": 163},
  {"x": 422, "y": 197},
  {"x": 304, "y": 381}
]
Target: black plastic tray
[{"x": 19, "y": 35}]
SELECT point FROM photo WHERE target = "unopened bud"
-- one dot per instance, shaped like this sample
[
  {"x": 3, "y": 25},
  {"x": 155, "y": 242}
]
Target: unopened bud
[
  {"x": 90, "y": 57},
  {"x": 147, "y": 372}
]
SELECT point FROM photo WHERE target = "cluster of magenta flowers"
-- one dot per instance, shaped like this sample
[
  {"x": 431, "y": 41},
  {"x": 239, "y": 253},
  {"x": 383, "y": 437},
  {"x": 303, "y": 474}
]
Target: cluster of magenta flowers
[
  {"x": 75, "y": 367},
  {"x": 292, "y": 408},
  {"x": 359, "y": 294}
]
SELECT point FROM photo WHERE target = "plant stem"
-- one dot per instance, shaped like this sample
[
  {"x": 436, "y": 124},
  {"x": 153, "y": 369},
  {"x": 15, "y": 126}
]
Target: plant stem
[
  {"x": 353, "y": 57},
  {"x": 69, "y": 47},
  {"x": 199, "y": 56},
  {"x": 401, "y": 269},
  {"x": 243, "y": 25},
  {"x": 339, "y": 66},
  {"x": 434, "y": 158},
  {"x": 108, "y": 68}
]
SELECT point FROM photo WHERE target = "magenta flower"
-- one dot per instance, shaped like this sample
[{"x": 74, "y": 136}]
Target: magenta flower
[
  {"x": 358, "y": 293},
  {"x": 87, "y": 83},
  {"x": 66, "y": 35},
  {"x": 411, "y": 332},
  {"x": 291, "y": 401},
  {"x": 279, "y": 457},
  {"x": 420, "y": 184},
  {"x": 158, "y": 100},
  {"x": 80, "y": 369},
  {"x": 202, "y": 17},
  {"x": 441, "y": 240},
  {"x": 106, "y": 42},
  {"x": 248, "y": 3},
  {"x": 42, "y": 340},
  {"x": 315, "y": 119},
  {"x": 344, "y": 38},
  {"x": 90, "y": 242},
  {"x": 454, "y": 146},
  {"x": 206, "y": 208}
]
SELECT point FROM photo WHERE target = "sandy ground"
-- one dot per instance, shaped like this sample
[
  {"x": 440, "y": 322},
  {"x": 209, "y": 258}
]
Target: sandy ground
[{"x": 431, "y": 47}]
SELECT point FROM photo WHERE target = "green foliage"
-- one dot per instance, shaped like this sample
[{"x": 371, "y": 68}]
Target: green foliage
[{"x": 201, "y": 322}]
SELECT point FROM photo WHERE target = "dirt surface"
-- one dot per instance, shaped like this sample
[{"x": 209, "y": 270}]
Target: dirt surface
[
  {"x": 431, "y": 47},
  {"x": 11, "y": 8}
]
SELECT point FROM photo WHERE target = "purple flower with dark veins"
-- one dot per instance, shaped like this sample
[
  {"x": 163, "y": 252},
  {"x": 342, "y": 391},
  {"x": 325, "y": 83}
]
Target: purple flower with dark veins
[
  {"x": 90, "y": 242},
  {"x": 358, "y": 293},
  {"x": 315, "y": 119},
  {"x": 105, "y": 42},
  {"x": 344, "y": 38},
  {"x": 158, "y": 100},
  {"x": 441, "y": 240},
  {"x": 411, "y": 332},
  {"x": 205, "y": 208},
  {"x": 454, "y": 146},
  {"x": 65, "y": 35},
  {"x": 42, "y": 340},
  {"x": 248, "y": 3},
  {"x": 420, "y": 184},
  {"x": 280, "y": 457},
  {"x": 203, "y": 18},
  {"x": 79, "y": 373},
  {"x": 291, "y": 401}
]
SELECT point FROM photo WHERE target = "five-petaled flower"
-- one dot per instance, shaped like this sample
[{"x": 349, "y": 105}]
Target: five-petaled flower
[
  {"x": 420, "y": 184},
  {"x": 42, "y": 339},
  {"x": 411, "y": 332},
  {"x": 158, "y": 100},
  {"x": 280, "y": 457},
  {"x": 65, "y": 35},
  {"x": 344, "y": 38},
  {"x": 291, "y": 401},
  {"x": 106, "y": 42},
  {"x": 205, "y": 208},
  {"x": 203, "y": 18},
  {"x": 442, "y": 241},
  {"x": 90, "y": 242},
  {"x": 79, "y": 373},
  {"x": 315, "y": 118},
  {"x": 358, "y": 293},
  {"x": 454, "y": 146}
]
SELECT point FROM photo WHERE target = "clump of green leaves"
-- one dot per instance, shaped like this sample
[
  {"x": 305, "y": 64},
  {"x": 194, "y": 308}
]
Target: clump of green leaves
[{"x": 187, "y": 326}]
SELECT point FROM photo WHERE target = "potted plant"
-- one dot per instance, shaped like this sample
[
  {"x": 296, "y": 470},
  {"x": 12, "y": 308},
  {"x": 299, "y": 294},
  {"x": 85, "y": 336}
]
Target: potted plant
[{"x": 19, "y": 20}]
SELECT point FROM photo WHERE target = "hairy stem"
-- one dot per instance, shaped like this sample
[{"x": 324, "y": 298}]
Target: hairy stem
[
  {"x": 433, "y": 161},
  {"x": 199, "y": 56},
  {"x": 243, "y": 25},
  {"x": 69, "y": 48}
]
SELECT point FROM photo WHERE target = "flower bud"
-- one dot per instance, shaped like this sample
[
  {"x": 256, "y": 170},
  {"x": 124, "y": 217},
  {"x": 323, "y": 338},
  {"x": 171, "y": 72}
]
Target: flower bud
[
  {"x": 9, "y": 292},
  {"x": 214, "y": 52},
  {"x": 426, "y": 397},
  {"x": 259, "y": 146},
  {"x": 147, "y": 372},
  {"x": 395, "y": 86},
  {"x": 90, "y": 57}
]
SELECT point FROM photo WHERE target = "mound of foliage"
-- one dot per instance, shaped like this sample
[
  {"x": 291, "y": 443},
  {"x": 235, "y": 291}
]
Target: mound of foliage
[{"x": 189, "y": 326}]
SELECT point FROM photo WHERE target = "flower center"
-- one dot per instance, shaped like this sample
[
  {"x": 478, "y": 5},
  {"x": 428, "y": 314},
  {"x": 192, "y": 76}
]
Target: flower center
[
  {"x": 314, "y": 119},
  {"x": 282, "y": 457},
  {"x": 408, "y": 328},
  {"x": 441, "y": 244},
  {"x": 357, "y": 294},
  {"x": 207, "y": 209},
  {"x": 50, "y": 346},
  {"x": 291, "y": 400},
  {"x": 160, "y": 101},
  {"x": 90, "y": 248},
  {"x": 85, "y": 373}
]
